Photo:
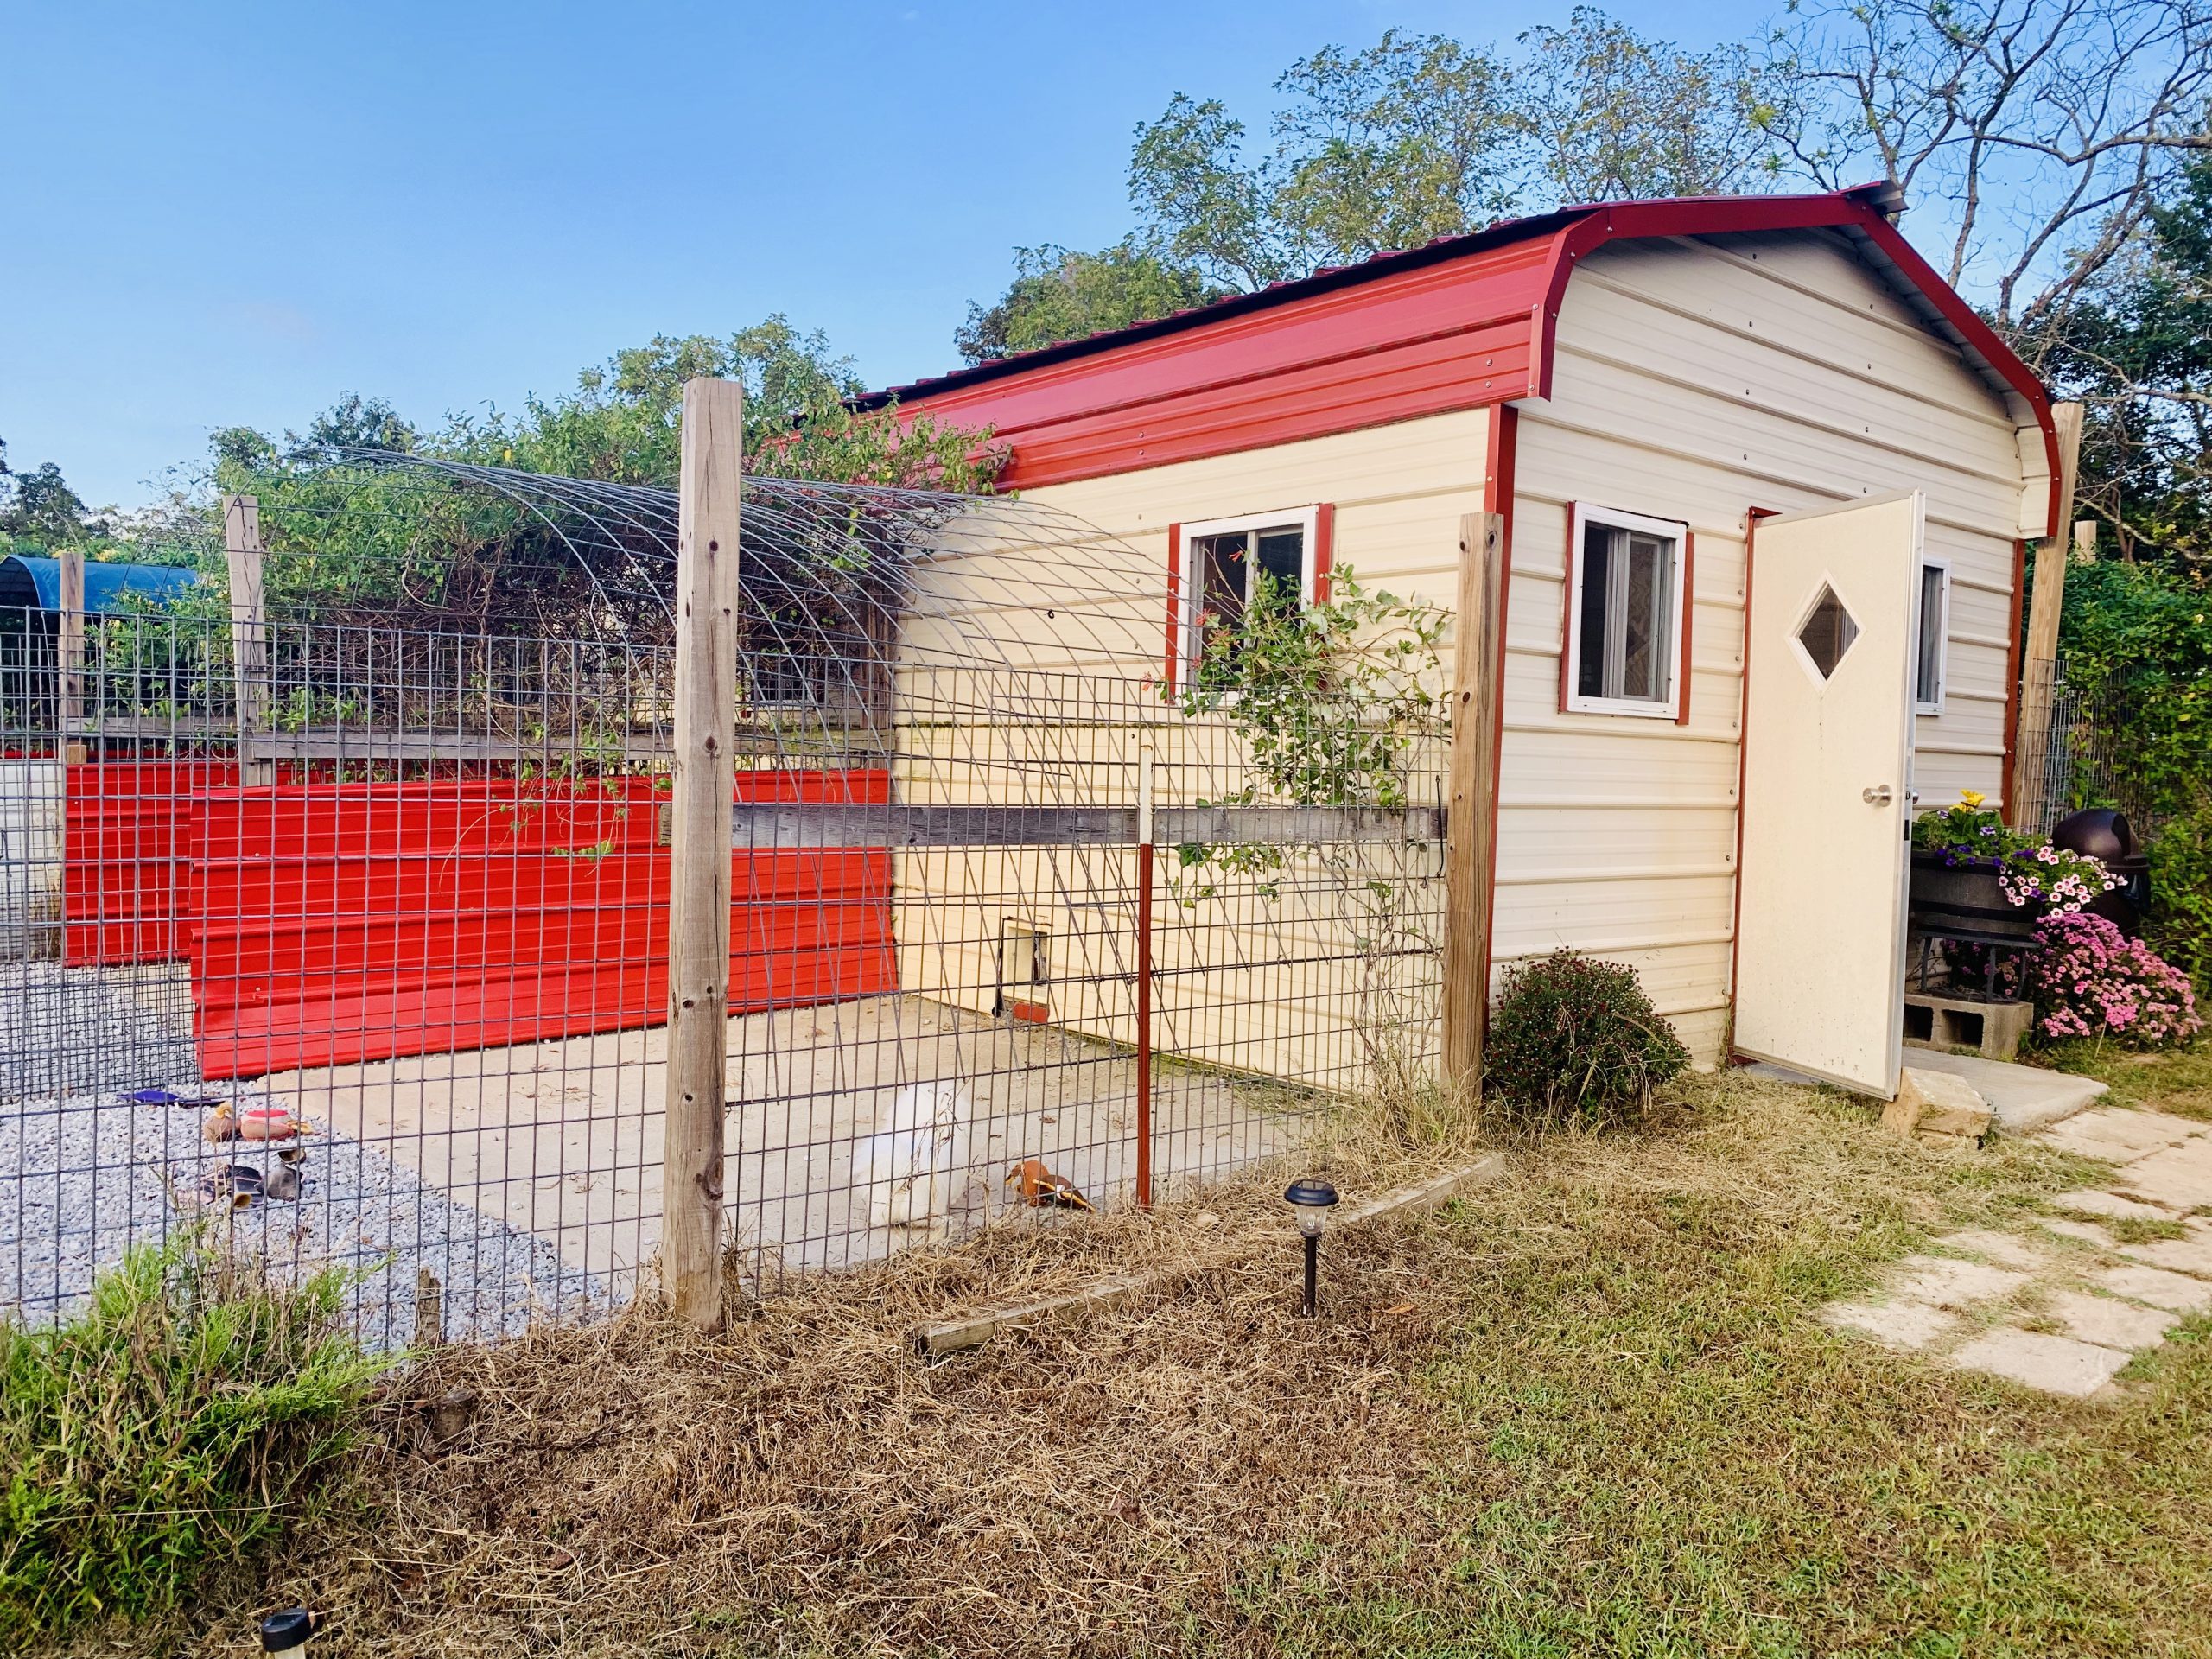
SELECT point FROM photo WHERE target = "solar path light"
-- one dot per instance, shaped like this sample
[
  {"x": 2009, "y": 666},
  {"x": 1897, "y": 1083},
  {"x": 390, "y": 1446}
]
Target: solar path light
[
  {"x": 1312, "y": 1200},
  {"x": 286, "y": 1632}
]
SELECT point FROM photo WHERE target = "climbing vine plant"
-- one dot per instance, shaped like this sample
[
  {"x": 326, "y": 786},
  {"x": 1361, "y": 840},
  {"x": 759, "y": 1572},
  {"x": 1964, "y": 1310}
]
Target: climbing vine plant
[{"x": 1334, "y": 703}]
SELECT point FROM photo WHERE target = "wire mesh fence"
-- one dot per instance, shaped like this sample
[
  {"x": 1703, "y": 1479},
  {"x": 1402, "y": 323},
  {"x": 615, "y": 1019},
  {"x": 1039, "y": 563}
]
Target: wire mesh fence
[
  {"x": 337, "y": 925},
  {"x": 2081, "y": 755}
]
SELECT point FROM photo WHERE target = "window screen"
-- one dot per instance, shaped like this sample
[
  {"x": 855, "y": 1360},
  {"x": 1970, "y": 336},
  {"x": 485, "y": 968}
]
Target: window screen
[
  {"x": 1928, "y": 678},
  {"x": 1626, "y": 590},
  {"x": 1230, "y": 566}
]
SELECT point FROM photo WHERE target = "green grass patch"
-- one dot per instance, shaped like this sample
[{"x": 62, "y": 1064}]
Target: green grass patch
[
  {"x": 1649, "y": 1445},
  {"x": 171, "y": 1425},
  {"x": 2177, "y": 1080}
]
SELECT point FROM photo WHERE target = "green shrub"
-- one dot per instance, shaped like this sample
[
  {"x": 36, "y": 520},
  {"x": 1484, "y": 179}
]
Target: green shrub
[
  {"x": 1574, "y": 1041},
  {"x": 2180, "y": 923},
  {"x": 167, "y": 1427}
]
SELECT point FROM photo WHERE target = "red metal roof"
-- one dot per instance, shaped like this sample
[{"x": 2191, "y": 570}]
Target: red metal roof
[{"x": 1463, "y": 323}]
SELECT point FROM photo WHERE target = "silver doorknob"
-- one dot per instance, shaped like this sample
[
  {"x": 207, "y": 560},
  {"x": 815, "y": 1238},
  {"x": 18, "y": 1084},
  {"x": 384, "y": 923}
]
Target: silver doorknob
[{"x": 1878, "y": 796}]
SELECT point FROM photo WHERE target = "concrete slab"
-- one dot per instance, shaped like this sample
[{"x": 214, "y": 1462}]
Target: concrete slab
[
  {"x": 2091, "y": 1201},
  {"x": 1901, "y": 1324},
  {"x": 2192, "y": 1254},
  {"x": 1941, "y": 1282},
  {"x": 2022, "y": 1097},
  {"x": 2086, "y": 1231},
  {"x": 2177, "y": 1291},
  {"x": 2110, "y": 1324},
  {"x": 2180, "y": 1178},
  {"x": 2055, "y": 1364},
  {"x": 2120, "y": 1133},
  {"x": 564, "y": 1138}
]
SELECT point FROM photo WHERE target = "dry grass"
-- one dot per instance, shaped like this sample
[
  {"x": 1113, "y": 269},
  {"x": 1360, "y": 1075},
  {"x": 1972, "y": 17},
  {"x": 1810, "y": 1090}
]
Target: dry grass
[{"x": 1586, "y": 1410}]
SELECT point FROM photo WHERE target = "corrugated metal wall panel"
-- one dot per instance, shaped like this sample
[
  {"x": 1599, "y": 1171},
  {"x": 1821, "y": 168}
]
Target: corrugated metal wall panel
[
  {"x": 1695, "y": 385},
  {"x": 1402, "y": 346},
  {"x": 124, "y": 867},
  {"x": 337, "y": 923}
]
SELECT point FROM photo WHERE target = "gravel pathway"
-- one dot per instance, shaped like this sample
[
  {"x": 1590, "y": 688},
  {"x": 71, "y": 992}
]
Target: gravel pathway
[
  {"x": 85, "y": 1173},
  {"x": 84, "y": 1179}
]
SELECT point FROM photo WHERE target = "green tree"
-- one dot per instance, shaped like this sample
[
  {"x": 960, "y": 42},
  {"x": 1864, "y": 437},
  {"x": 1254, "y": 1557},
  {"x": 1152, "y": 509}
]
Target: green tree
[
  {"x": 478, "y": 557},
  {"x": 1388, "y": 147},
  {"x": 2136, "y": 349},
  {"x": 1420, "y": 136},
  {"x": 1610, "y": 115},
  {"x": 1058, "y": 294},
  {"x": 39, "y": 508},
  {"x": 623, "y": 424}
]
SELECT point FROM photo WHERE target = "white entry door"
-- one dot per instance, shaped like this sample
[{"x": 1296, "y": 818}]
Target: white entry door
[{"x": 1827, "y": 785}]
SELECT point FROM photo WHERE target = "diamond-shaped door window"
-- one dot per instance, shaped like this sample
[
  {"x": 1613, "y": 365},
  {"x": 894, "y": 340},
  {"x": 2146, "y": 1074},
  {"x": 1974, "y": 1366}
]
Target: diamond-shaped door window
[{"x": 1827, "y": 632}]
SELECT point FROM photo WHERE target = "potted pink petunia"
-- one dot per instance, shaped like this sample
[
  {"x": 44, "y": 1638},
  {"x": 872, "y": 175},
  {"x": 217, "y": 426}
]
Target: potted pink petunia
[{"x": 1972, "y": 874}]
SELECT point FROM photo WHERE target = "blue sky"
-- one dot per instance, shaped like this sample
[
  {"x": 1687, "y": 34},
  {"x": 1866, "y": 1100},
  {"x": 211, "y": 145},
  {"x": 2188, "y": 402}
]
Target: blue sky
[{"x": 222, "y": 214}]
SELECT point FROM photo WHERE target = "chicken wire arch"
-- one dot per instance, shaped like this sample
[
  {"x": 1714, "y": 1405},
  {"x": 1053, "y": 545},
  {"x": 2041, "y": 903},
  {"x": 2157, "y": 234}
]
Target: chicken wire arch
[{"x": 418, "y": 901}]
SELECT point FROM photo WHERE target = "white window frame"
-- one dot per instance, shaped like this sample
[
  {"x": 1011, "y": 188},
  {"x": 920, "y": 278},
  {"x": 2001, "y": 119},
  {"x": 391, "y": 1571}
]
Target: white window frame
[
  {"x": 1192, "y": 576},
  {"x": 1672, "y": 529},
  {"x": 1934, "y": 706}
]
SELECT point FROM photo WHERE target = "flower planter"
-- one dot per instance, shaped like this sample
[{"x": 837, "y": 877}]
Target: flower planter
[{"x": 1966, "y": 901}]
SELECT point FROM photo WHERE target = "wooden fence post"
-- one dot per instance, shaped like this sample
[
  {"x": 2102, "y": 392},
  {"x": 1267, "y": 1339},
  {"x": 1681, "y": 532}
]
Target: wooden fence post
[
  {"x": 1480, "y": 647},
  {"x": 2047, "y": 596},
  {"x": 249, "y": 634},
  {"x": 699, "y": 848},
  {"x": 71, "y": 660}
]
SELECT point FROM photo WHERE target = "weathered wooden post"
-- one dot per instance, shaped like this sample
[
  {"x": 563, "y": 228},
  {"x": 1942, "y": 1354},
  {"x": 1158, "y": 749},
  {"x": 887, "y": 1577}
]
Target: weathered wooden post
[
  {"x": 700, "y": 832},
  {"x": 1479, "y": 642},
  {"x": 2038, "y": 659},
  {"x": 249, "y": 635},
  {"x": 71, "y": 659}
]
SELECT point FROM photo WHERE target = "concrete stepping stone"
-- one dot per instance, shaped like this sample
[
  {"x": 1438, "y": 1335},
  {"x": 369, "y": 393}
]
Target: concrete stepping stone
[
  {"x": 2006, "y": 1249},
  {"x": 2089, "y": 1201},
  {"x": 1941, "y": 1282},
  {"x": 2110, "y": 1324},
  {"x": 2179, "y": 1177},
  {"x": 2088, "y": 1231},
  {"x": 1901, "y": 1324},
  {"x": 2157, "y": 1286},
  {"x": 2025, "y": 1098},
  {"x": 2055, "y": 1364},
  {"x": 2189, "y": 1254},
  {"x": 2119, "y": 1134}
]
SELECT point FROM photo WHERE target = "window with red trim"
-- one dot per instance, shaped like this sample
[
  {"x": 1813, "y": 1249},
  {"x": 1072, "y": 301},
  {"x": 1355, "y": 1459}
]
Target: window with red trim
[
  {"x": 1227, "y": 566},
  {"x": 1624, "y": 606}
]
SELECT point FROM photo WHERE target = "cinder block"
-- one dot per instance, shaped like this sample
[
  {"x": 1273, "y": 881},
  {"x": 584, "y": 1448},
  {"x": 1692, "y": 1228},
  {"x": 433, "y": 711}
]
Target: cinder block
[
  {"x": 1993, "y": 1030},
  {"x": 1937, "y": 1102}
]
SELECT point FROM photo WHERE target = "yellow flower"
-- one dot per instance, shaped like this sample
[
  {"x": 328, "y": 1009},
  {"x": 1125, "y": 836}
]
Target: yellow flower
[{"x": 1971, "y": 797}]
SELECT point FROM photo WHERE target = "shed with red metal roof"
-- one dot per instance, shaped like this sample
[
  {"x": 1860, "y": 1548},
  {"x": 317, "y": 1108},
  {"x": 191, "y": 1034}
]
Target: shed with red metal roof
[{"x": 1764, "y": 483}]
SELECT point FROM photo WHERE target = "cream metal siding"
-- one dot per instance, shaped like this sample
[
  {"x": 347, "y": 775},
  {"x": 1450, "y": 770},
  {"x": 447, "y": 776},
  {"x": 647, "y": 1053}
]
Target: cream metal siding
[{"x": 1695, "y": 380}]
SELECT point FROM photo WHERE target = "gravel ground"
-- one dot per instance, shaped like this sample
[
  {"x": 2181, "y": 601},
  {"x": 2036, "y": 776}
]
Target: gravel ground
[
  {"x": 96, "y": 1176},
  {"x": 84, "y": 1173},
  {"x": 74, "y": 1030}
]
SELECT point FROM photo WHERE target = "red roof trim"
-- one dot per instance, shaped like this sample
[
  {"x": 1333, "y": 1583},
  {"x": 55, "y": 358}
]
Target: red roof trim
[
  {"x": 1200, "y": 316},
  {"x": 1141, "y": 417}
]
